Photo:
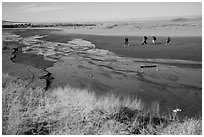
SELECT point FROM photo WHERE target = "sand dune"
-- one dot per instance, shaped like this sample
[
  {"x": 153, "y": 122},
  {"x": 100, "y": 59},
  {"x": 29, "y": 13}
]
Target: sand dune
[{"x": 175, "y": 27}]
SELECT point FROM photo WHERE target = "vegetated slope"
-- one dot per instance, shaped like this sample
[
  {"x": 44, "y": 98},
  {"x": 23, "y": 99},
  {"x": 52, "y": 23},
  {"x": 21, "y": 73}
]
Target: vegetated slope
[{"x": 75, "y": 111}]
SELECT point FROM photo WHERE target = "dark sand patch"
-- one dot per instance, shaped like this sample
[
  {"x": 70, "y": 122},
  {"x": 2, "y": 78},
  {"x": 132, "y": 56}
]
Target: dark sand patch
[
  {"x": 170, "y": 77},
  {"x": 83, "y": 67},
  {"x": 94, "y": 85},
  {"x": 30, "y": 32},
  {"x": 11, "y": 45},
  {"x": 29, "y": 67},
  {"x": 106, "y": 75},
  {"x": 22, "y": 71},
  {"x": 38, "y": 62},
  {"x": 34, "y": 60},
  {"x": 182, "y": 65}
]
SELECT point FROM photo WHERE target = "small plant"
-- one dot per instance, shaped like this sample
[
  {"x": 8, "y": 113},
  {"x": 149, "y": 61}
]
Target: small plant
[{"x": 175, "y": 114}]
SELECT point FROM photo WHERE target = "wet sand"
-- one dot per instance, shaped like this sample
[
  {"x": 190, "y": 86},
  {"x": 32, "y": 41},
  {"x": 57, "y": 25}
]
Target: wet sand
[
  {"x": 191, "y": 47},
  {"x": 180, "y": 48}
]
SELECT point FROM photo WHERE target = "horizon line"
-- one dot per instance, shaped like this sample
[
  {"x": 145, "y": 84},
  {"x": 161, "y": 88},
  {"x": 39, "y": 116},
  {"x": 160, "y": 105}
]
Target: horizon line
[{"x": 115, "y": 20}]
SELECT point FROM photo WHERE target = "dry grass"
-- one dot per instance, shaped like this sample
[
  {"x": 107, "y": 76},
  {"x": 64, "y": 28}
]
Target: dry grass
[
  {"x": 75, "y": 111},
  {"x": 188, "y": 127}
]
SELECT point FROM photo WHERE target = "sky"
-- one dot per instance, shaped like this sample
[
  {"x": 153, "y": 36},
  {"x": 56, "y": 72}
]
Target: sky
[{"x": 69, "y": 11}]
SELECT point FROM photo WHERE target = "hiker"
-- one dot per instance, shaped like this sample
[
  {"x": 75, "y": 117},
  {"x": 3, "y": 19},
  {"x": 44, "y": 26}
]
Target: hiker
[
  {"x": 144, "y": 40},
  {"x": 126, "y": 42},
  {"x": 154, "y": 40},
  {"x": 167, "y": 41}
]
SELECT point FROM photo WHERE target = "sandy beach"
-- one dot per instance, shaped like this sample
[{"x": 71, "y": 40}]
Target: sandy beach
[{"x": 102, "y": 64}]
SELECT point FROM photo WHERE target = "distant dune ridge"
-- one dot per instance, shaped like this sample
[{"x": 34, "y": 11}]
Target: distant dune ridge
[
  {"x": 187, "y": 19},
  {"x": 180, "y": 26},
  {"x": 4, "y": 22},
  {"x": 190, "y": 18}
]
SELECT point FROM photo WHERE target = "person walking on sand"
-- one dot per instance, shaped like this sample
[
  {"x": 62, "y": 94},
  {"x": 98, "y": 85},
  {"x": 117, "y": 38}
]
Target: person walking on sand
[
  {"x": 167, "y": 41},
  {"x": 144, "y": 40},
  {"x": 154, "y": 40},
  {"x": 126, "y": 42}
]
